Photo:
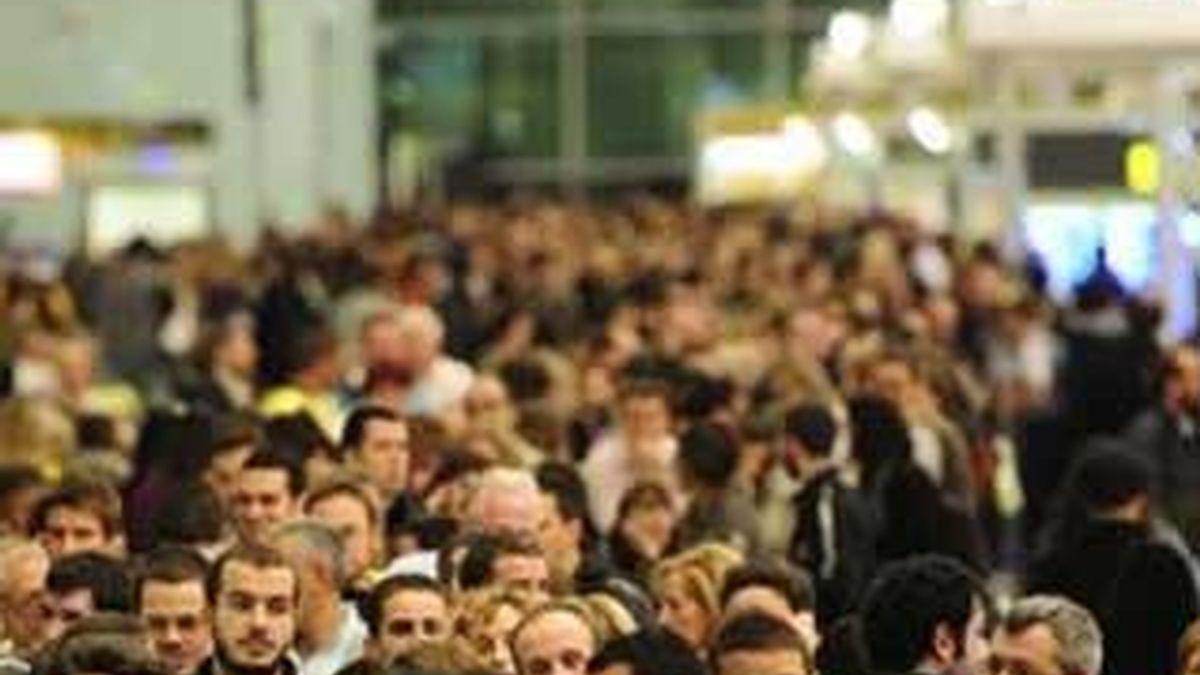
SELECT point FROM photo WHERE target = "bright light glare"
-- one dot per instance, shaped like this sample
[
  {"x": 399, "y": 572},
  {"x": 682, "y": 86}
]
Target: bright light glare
[
  {"x": 30, "y": 163},
  {"x": 854, "y": 135},
  {"x": 803, "y": 140},
  {"x": 929, "y": 130},
  {"x": 918, "y": 19},
  {"x": 849, "y": 34}
]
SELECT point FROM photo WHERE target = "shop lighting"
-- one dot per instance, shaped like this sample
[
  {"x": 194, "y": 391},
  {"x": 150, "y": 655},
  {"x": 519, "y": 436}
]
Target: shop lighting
[
  {"x": 918, "y": 19},
  {"x": 854, "y": 135},
  {"x": 849, "y": 34},
  {"x": 929, "y": 130}
]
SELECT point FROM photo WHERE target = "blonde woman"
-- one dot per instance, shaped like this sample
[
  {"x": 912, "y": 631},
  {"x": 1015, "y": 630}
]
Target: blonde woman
[
  {"x": 688, "y": 589},
  {"x": 486, "y": 617}
]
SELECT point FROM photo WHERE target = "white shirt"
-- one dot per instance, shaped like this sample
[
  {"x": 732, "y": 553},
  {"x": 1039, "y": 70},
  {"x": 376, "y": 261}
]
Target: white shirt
[{"x": 346, "y": 647}]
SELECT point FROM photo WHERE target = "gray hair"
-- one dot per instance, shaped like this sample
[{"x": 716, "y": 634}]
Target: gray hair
[
  {"x": 316, "y": 539},
  {"x": 1081, "y": 644}
]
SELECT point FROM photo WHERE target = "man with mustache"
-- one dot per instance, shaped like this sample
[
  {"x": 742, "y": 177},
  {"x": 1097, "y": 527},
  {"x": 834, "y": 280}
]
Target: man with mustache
[{"x": 254, "y": 594}]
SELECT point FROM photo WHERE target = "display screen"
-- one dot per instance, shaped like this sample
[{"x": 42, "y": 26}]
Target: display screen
[{"x": 163, "y": 214}]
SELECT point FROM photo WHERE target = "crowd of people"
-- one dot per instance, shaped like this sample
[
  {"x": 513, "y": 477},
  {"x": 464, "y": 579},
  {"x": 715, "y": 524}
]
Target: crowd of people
[{"x": 545, "y": 438}]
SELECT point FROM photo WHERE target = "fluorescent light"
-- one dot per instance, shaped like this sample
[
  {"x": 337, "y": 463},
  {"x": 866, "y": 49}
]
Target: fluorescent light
[
  {"x": 849, "y": 34},
  {"x": 930, "y": 130},
  {"x": 854, "y": 135},
  {"x": 30, "y": 163},
  {"x": 918, "y": 19}
]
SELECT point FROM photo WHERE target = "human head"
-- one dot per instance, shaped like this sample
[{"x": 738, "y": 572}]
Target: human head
[
  {"x": 708, "y": 457},
  {"x": 486, "y": 617},
  {"x": 925, "y": 613},
  {"x": 810, "y": 431},
  {"x": 554, "y": 639},
  {"x": 647, "y": 652},
  {"x": 234, "y": 441},
  {"x": 22, "y": 590},
  {"x": 169, "y": 597},
  {"x": 104, "y": 643},
  {"x": 422, "y": 333},
  {"x": 78, "y": 517},
  {"x": 351, "y": 510},
  {"x": 254, "y": 593},
  {"x": 81, "y": 584},
  {"x": 265, "y": 494},
  {"x": 376, "y": 441},
  {"x": 565, "y": 524},
  {"x": 229, "y": 345},
  {"x": 1179, "y": 379},
  {"x": 313, "y": 362},
  {"x": 646, "y": 516},
  {"x": 20, "y": 488},
  {"x": 688, "y": 588},
  {"x": 645, "y": 410},
  {"x": 316, "y": 554},
  {"x": 505, "y": 559},
  {"x": 298, "y": 438},
  {"x": 403, "y": 612},
  {"x": 759, "y": 644},
  {"x": 1109, "y": 479},
  {"x": 775, "y": 588},
  {"x": 194, "y": 518},
  {"x": 504, "y": 499},
  {"x": 1047, "y": 634},
  {"x": 1189, "y": 651}
]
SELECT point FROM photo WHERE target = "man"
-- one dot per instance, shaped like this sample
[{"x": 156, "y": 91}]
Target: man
[
  {"x": 169, "y": 598},
  {"x": 313, "y": 374},
  {"x": 20, "y": 488},
  {"x": 79, "y": 517},
  {"x": 376, "y": 441},
  {"x": 554, "y": 639},
  {"x": 833, "y": 533},
  {"x": 776, "y": 589},
  {"x": 926, "y": 614},
  {"x": 254, "y": 594},
  {"x": 265, "y": 494},
  {"x": 565, "y": 531},
  {"x": 82, "y": 584},
  {"x": 641, "y": 448},
  {"x": 507, "y": 560},
  {"x": 227, "y": 455},
  {"x": 22, "y": 590},
  {"x": 105, "y": 644},
  {"x": 329, "y": 633},
  {"x": 350, "y": 509},
  {"x": 759, "y": 644},
  {"x": 440, "y": 383},
  {"x": 646, "y": 652},
  {"x": 404, "y": 612},
  {"x": 505, "y": 500},
  {"x": 1047, "y": 634}
]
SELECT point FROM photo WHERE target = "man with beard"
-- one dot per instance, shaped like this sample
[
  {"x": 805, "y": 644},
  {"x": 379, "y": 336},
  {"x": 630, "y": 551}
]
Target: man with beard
[{"x": 254, "y": 594}]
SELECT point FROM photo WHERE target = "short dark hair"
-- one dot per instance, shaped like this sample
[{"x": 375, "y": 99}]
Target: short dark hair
[
  {"x": 789, "y": 581},
  {"x": 193, "y": 516},
  {"x": 372, "y": 605},
  {"x": 95, "y": 497},
  {"x": 114, "y": 644},
  {"x": 478, "y": 565},
  {"x": 708, "y": 453},
  {"x": 812, "y": 426},
  {"x": 298, "y": 437},
  {"x": 756, "y": 631},
  {"x": 904, "y": 605},
  {"x": 106, "y": 578},
  {"x": 1108, "y": 474},
  {"x": 648, "y": 652},
  {"x": 254, "y": 555},
  {"x": 17, "y": 477},
  {"x": 563, "y": 483},
  {"x": 170, "y": 565},
  {"x": 264, "y": 459},
  {"x": 646, "y": 387},
  {"x": 355, "y": 431}
]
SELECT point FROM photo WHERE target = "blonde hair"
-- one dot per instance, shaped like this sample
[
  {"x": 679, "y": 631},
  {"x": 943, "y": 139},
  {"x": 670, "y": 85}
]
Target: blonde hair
[
  {"x": 702, "y": 569},
  {"x": 611, "y": 619},
  {"x": 475, "y": 609}
]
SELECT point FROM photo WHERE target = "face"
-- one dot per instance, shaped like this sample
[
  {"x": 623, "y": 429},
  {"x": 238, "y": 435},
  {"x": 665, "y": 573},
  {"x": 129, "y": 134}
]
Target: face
[
  {"x": 649, "y": 528},
  {"x": 894, "y": 381},
  {"x": 176, "y": 616},
  {"x": 1033, "y": 651},
  {"x": 772, "y": 603},
  {"x": 559, "y": 539},
  {"x": 411, "y": 618},
  {"x": 681, "y": 614},
  {"x": 254, "y": 618},
  {"x": 975, "y": 651},
  {"x": 69, "y": 530},
  {"x": 646, "y": 417},
  {"x": 1188, "y": 377},
  {"x": 238, "y": 352},
  {"x": 63, "y": 610},
  {"x": 261, "y": 500},
  {"x": 350, "y": 519},
  {"x": 523, "y": 572},
  {"x": 492, "y": 641},
  {"x": 556, "y": 643},
  {"x": 23, "y": 615},
  {"x": 507, "y": 511},
  {"x": 755, "y": 662},
  {"x": 384, "y": 455},
  {"x": 222, "y": 473},
  {"x": 17, "y": 509}
]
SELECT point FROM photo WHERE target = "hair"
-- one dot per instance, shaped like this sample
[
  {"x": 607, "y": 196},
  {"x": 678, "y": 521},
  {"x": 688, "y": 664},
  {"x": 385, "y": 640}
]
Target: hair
[
  {"x": 568, "y": 605},
  {"x": 99, "y": 499},
  {"x": 372, "y": 606},
  {"x": 907, "y": 601},
  {"x": 756, "y": 631},
  {"x": 879, "y": 437},
  {"x": 842, "y": 650},
  {"x": 319, "y": 540},
  {"x": 478, "y": 608},
  {"x": 112, "y": 644},
  {"x": 703, "y": 570},
  {"x": 708, "y": 454},
  {"x": 645, "y": 388},
  {"x": 648, "y": 652},
  {"x": 232, "y": 432},
  {"x": 643, "y": 495},
  {"x": 501, "y": 479},
  {"x": 564, "y": 484},
  {"x": 264, "y": 459},
  {"x": 169, "y": 565},
  {"x": 298, "y": 437},
  {"x": 253, "y": 555},
  {"x": 192, "y": 517},
  {"x": 106, "y": 578},
  {"x": 813, "y": 426},
  {"x": 313, "y": 344},
  {"x": 17, "y": 477},
  {"x": 1189, "y": 644},
  {"x": 345, "y": 488},
  {"x": 355, "y": 430},
  {"x": 1107, "y": 474},
  {"x": 1080, "y": 642},
  {"x": 793, "y": 583},
  {"x": 450, "y": 655},
  {"x": 478, "y": 566}
]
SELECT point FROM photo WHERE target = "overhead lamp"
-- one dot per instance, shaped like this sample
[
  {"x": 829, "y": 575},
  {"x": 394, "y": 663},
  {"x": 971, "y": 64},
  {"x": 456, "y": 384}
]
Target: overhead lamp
[
  {"x": 918, "y": 19},
  {"x": 854, "y": 135},
  {"x": 849, "y": 34},
  {"x": 930, "y": 130}
]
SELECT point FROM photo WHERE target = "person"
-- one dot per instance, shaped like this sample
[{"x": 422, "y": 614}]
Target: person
[
  {"x": 554, "y": 639},
  {"x": 717, "y": 510},
  {"x": 439, "y": 382},
  {"x": 1100, "y": 552},
  {"x": 234, "y": 442},
  {"x": 1045, "y": 634},
  {"x": 254, "y": 593},
  {"x": 104, "y": 643},
  {"x": 688, "y": 589},
  {"x": 646, "y": 652},
  {"x": 759, "y": 644},
  {"x": 504, "y": 500},
  {"x": 566, "y": 533},
  {"x": 774, "y": 588},
  {"x": 170, "y": 600},
  {"x": 81, "y": 584},
  {"x": 1189, "y": 651},
  {"x": 376, "y": 441},
  {"x": 227, "y": 359},
  {"x": 485, "y": 617},
  {"x": 78, "y": 517},
  {"x": 839, "y": 547},
  {"x": 350, "y": 508},
  {"x": 194, "y": 518},
  {"x": 403, "y": 612},
  {"x": 926, "y": 614},
  {"x": 22, "y": 590},
  {"x": 21, "y": 486},
  {"x": 313, "y": 374},
  {"x": 507, "y": 560},
  {"x": 638, "y": 540},
  {"x": 265, "y": 494},
  {"x": 329, "y": 632}
]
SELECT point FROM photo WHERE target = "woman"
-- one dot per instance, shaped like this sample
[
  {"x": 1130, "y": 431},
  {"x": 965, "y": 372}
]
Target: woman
[
  {"x": 646, "y": 516},
  {"x": 688, "y": 589}
]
